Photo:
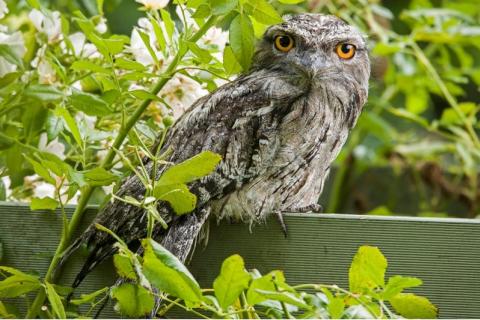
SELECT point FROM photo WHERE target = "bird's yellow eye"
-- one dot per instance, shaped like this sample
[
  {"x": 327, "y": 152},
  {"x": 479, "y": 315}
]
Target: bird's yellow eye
[
  {"x": 284, "y": 43},
  {"x": 345, "y": 51}
]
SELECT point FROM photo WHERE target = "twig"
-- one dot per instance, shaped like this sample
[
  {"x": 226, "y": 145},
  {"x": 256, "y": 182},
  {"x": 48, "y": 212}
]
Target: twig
[{"x": 77, "y": 216}]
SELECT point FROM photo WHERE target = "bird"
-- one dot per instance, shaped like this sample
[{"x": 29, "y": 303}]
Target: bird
[{"x": 278, "y": 127}]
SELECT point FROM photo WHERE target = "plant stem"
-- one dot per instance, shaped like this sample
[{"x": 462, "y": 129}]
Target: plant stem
[
  {"x": 286, "y": 313},
  {"x": 77, "y": 216},
  {"x": 10, "y": 140},
  {"x": 318, "y": 287}
]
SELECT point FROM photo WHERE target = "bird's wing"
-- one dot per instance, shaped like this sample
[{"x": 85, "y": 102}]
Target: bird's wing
[{"x": 234, "y": 122}]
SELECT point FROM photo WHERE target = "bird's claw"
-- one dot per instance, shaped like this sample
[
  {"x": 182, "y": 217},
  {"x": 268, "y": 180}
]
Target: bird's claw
[
  {"x": 279, "y": 215},
  {"x": 314, "y": 208}
]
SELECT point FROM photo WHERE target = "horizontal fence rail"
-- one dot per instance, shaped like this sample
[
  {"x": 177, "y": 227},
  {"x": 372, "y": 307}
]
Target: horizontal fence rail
[{"x": 444, "y": 253}]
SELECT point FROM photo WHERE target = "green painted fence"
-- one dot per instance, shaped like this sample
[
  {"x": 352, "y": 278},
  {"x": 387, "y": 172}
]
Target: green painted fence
[{"x": 444, "y": 253}]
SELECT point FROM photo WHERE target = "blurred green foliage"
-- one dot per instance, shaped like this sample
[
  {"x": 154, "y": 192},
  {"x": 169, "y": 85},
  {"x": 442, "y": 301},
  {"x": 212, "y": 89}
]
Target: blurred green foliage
[
  {"x": 420, "y": 127},
  {"x": 83, "y": 97}
]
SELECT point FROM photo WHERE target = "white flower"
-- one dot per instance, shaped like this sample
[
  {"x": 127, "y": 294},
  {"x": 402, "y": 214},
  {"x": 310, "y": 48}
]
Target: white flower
[
  {"x": 55, "y": 147},
  {"x": 138, "y": 47},
  {"x": 7, "y": 183},
  {"x": 46, "y": 72},
  {"x": 101, "y": 26},
  {"x": 49, "y": 23},
  {"x": 153, "y": 4},
  {"x": 43, "y": 189},
  {"x": 216, "y": 38},
  {"x": 77, "y": 40},
  {"x": 81, "y": 47},
  {"x": 3, "y": 9},
  {"x": 40, "y": 188},
  {"x": 16, "y": 43},
  {"x": 77, "y": 85},
  {"x": 108, "y": 189},
  {"x": 90, "y": 51},
  {"x": 180, "y": 93}
]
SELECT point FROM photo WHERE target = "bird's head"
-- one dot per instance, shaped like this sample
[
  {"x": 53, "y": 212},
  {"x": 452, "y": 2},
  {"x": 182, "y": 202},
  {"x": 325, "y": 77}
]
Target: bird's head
[{"x": 316, "y": 50}]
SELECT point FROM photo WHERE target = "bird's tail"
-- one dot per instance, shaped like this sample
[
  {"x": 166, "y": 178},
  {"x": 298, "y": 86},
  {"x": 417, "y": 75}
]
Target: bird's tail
[
  {"x": 98, "y": 255},
  {"x": 181, "y": 237},
  {"x": 68, "y": 252}
]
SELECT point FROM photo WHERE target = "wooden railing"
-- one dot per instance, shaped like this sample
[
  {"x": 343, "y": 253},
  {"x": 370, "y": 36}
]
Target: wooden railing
[{"x": 444, "y": 253}]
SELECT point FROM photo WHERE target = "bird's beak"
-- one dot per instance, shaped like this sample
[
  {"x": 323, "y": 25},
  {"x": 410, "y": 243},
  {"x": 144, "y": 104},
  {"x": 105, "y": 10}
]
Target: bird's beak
[{"x": 315, "y": 64}]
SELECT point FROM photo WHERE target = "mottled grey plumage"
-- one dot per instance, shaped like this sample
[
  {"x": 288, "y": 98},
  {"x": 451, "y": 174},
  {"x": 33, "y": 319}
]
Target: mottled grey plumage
[{"x": 278, "y": 128}]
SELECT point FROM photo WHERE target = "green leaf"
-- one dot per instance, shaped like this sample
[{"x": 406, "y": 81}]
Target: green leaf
[
  {"x": 43, "y": 92},
  {"x": 86, "y": 298},
  {"x": 231, "y": 281},
  {"x": 71, "y": 124},
  {"x": 53, "y": 163},
  {"x": 178, "y": 196},
  {"x": 335, "y": 307},
  {"x": 202, "y": 12},
  {"x": 146, "y": 41},
  {"x": 284, "y": 296},
  {"x": 54, "y": 125},
  {"x": 4, "y": 312},
  {"x": 397, "y": 284},
  {"x": 264, "y": 12},
  {"x": 33, "y": 120},
  {"x": 402, "y": 113},
  {"x": 45, "y": 203},
  {"x": 55, "y": 301},
  {"x": 190, "y": 170},
  {"x": 290, "y": 1},
  {"x": 116, "y": 43},
  {"x": 411, "y": 306},
  {"x": 222, "y": 7},
  {"x": 242, "y": 40},
  {"x": 62, "y": 291},
  {"x": 202, "y": 54},
  {"x": 378, "y": 127},
  {"x": 367, "y": 270},
  {"x": 87, "y": 65},
  {"x": 258, "y": 28},
  {"x": 9, "y": 54},
  {"x": 158, "y": 34},
  {"x": 34, "y": 4},
  {"x": 124, "y": 267},
  {"x": 169, "y": 24},
  {"x": 99, "y": 177},
  {"x": 100, "y": 7},
  {"x": 380, "y": 211},
  {"x": 6, "y": 142},
  {"x": 168, "y": 274},
  {"x": 18, "y": 284},
  {"x": 230, "y": 63},
  {"x": 41, "y": 170},
  {"x": 133, "y": 300},
  {"x": 129, "y": 64},
  {"x": 417, "y": 102},
  {"x": 89, "y": 103},
  {"x": 144, "y": 95},
  {"x": 14, "y": 271},
  {"x": 266, "y": 283},
  {"x": 450, "y": 116},
  {"x": 385, "y": 49}
]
